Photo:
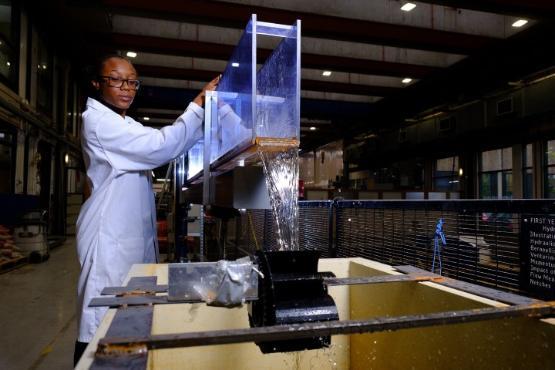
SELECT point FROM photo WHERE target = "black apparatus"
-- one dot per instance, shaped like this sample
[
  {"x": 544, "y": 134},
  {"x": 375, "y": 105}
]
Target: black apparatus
[{"x": 292, "y": 291}]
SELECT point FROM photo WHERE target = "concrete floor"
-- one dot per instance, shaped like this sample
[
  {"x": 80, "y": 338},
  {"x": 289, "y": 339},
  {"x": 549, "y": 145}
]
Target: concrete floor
[{"x": 37, "y": 313}]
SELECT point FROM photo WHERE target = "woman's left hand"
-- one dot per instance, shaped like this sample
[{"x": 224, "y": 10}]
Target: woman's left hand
[{"x": 211, "y": 86}]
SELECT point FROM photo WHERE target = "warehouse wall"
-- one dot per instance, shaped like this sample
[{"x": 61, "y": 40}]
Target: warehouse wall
[
  {"x": 35, "y": 105},
  {"x": 521, "y": 115}
]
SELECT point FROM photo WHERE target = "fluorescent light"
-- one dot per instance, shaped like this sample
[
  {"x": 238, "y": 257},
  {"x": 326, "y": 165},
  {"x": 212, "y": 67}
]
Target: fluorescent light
[
  {"x": 460, "y": 171},
  {"x": 406, "y": 80},
  {"x": 153, "y": 174},
  {"x": 408, "y": 7},
  {"x": 235, "y": 64},
  {"x": 519, "y": 23},
  {"x": 241, "y": 163},
  {"x": 146, "y": 118},
  {"x": 131, "y": 54},
  {"x": 312, "y": 128},
  {"x": 326, "y": 73},
  {"x": 8, "y": 64},
  {"x": 66, "y": 158}
]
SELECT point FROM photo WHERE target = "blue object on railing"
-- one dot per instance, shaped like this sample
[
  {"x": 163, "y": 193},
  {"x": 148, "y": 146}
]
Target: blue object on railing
[{"x": 437, "y": 248}]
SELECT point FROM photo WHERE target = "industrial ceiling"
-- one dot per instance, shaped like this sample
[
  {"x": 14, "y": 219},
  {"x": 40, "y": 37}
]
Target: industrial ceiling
[{"x": 367, "y": 65}]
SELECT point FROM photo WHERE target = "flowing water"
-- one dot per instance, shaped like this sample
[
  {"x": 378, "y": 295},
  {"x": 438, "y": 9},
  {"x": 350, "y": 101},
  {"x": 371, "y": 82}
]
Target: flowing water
[{"x": 281, "y": 170}]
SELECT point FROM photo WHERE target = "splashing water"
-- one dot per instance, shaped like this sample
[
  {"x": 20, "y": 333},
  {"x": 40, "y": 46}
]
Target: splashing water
[{"x": 281, "y": 171}]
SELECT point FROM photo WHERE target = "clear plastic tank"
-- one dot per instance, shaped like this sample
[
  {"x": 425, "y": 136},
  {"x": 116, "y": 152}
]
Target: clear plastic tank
[{"x": 255, "y": 107}]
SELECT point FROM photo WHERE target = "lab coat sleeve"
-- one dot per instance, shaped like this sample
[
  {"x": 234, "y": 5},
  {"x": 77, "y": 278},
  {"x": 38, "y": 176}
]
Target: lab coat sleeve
[
  {"x": 133, "y": 147},
  {"x": 233, "y": 133}
]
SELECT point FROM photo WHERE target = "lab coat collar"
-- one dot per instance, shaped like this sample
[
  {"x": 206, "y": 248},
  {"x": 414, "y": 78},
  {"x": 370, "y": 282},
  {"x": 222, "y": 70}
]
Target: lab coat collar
[{"x": 97, "y": 105}]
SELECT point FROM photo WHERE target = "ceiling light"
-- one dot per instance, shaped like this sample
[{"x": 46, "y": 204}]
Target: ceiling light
[
  {"x": 235, "y": 64},
  {"x": 131, "y": 54},
  {"x": 146, "y": 118},
  {"x": 519, "y": 23},
  {"x": 8, "y": 64},
  {"x": 406, "y": 80},
  {"x": 326, "y": 73},
  {"x": 66, "y": 158},
  {"x": 312, "y": 128},
  {"x": 460, "y": 172},
  {"x": 153, "y": 174},
  {"x": 408, "y": 7}
]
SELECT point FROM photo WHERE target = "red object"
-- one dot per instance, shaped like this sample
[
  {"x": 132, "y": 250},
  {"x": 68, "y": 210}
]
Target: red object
[
  {"x": 301, "y": 189},
  {"x": 162, "y": 231}
]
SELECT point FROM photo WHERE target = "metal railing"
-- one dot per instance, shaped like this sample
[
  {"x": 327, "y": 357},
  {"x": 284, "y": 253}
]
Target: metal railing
[{"x": 482, "y": 236}]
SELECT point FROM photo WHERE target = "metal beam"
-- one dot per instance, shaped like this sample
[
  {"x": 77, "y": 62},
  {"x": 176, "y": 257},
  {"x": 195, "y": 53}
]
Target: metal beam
[
  {"x": 199, "y": 49},
  {"x": 381, "y": 279},
  {"x": 134, "y": 290},
  {"x": 129, "y": 321},
  {"x": 107, "y": 346},
  {"x": 315, "y": 85},
  {"x": 418, "y": 276},
  {"x": 320, "y": 26},
  {"x": 535, "y": 9},
  {"x": 482, "y": 291}
]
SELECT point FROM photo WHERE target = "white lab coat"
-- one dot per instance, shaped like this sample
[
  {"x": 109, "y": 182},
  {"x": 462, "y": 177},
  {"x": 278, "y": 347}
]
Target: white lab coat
[
  {"x": 116, "y": 225},
  {"x": 231, "y": 133}
]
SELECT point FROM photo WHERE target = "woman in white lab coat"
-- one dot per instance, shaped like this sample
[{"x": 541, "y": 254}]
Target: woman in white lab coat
[{"x": 116, "y": 225}]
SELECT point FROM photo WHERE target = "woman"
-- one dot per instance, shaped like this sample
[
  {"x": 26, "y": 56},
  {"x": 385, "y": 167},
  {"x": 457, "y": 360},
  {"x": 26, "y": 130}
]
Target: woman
[{"x": 116, "y": 225}]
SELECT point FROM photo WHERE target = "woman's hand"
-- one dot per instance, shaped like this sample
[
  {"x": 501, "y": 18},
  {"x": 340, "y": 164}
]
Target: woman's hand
[{"x": 211, "y": 86}]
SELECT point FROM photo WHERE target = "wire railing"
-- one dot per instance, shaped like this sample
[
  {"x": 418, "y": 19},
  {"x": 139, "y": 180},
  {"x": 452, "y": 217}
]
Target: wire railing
[{"x": 483, "y": 237}]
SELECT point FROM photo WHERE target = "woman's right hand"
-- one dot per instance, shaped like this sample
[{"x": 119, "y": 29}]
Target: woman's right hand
[{"x": 211, "y": 86}]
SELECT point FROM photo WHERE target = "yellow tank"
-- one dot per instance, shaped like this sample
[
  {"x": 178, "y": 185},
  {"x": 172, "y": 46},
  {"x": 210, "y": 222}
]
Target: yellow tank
[{"x": 521, "y": 343}]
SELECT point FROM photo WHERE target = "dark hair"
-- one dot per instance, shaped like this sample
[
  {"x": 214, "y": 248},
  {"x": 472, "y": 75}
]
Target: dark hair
[
  {"x": 93, "y": 71},
  {"x": 99, "y": 65}
]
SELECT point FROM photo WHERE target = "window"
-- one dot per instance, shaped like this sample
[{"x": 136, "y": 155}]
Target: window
[
  {"x": 71, "y": 113},
  {"x": 550, "y": 169},
  {"x": 9, "y": 48},
  {"x": 446, "y": 174},
  {"x": 7, "y": 159},
  {"x": 44, "y": 78},
  {"x": 527, "y": 173},
  {"x": 496, "y": 176}
]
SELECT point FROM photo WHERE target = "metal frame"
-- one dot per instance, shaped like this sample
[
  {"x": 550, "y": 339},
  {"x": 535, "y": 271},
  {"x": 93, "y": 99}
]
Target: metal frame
[
  {"x": 110, "y": 346},
  {"x": 135, "y": 295},
  {"x": 210, "y": 101},
  {"x": 128, "y": 339}
]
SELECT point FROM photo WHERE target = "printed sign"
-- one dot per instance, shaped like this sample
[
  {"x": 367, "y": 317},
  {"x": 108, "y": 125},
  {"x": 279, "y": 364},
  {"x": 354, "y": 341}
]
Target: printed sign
[{"x": 538, "y": 255}]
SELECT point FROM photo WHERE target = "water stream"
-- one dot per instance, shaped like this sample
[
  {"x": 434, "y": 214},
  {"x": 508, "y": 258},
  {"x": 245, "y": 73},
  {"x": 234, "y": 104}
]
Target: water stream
[{"x": 281, "y": 170}]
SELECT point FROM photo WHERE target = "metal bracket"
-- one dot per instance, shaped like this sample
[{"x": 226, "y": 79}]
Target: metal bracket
[
  {"x": 124, "y": 298},
  {"x": 478, "y": 290},
  {"x": 128, "y": 321},
  {"x": 308, "y": 330}
]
